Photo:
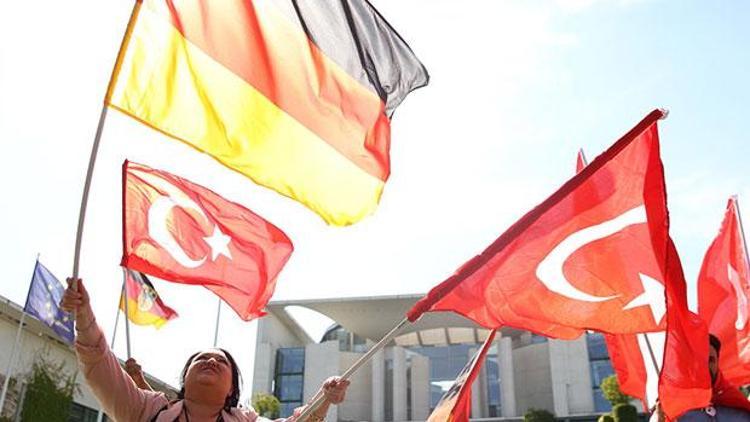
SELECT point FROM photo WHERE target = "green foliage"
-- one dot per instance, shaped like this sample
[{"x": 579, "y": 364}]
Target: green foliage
[
  {"x": 606, "y": 418},
  {"x": 538, "y": 415},
  {"x": 625, "y": 413},
  {"x": 49, "y": 391},
  {"x": 611, "y": 391},
  {"x": 266, "y": 405}
]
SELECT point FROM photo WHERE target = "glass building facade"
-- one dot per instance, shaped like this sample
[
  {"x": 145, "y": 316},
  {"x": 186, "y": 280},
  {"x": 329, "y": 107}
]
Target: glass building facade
[
  {"x": 601, "y": 367},
  {"x": 289, "y": 378}
]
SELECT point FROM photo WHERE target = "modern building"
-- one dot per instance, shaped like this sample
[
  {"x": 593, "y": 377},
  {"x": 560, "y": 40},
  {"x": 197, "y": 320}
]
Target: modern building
[
  {"x": 38, "y": 339},
  {"x": 404, "y": 381}
]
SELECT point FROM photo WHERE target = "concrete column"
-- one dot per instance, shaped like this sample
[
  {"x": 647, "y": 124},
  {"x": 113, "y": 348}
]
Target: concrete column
[
  {"x": 420, "y": 388},
  {"x": 507, "y": 383},
  {"x": 321, "y": 361},
  {"x": 399, "y": 384},
  {"x": 571, "y": 379},
  {"x": 378, "y": 386}
]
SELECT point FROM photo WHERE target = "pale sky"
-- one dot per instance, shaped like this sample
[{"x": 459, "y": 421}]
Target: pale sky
[{"x": 516, "y": 88}]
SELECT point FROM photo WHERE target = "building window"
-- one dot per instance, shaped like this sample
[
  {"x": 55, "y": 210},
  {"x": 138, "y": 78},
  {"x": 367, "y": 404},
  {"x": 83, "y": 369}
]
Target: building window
[
  {"x": 348, "y": 342},
  {"x": 388, "y": 389},
  {"x": 492, "y": 368},
  {"x": 81, "y": 413},
  {"x": 601, "y": 367},
  {"x": 289, "y": 378},
  {"x": 445, "y": 364}
]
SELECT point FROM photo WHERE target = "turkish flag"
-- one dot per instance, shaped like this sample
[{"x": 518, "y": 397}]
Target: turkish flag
[
  {"x": 182, "y": 232},
  {"x": 723, "y": 294},
  {"x": 591, "y": 256}
]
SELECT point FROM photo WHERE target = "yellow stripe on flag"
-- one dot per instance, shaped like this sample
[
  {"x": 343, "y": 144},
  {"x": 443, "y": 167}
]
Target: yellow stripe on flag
[
  {"x": 210, "y": 108},
  {"x": 138, "y": 317}
]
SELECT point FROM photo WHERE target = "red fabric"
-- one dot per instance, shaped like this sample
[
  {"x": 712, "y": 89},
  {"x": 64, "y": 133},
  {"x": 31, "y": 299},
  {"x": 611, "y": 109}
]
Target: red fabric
[
  {"x": 685, "y": 382},
  {"x": 505, "y": 277},
  {"x": 184, "y": 233},
  {"x": 455, "y": 405},
  {"x": 728, "y": 395},
  {"x": 723, "y": 294},
  {"x": 629, "y": 365}
]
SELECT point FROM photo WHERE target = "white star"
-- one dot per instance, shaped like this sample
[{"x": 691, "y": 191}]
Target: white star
[
  {"x": 219, "y": 243},
  {"x": 653, "y": 296}
]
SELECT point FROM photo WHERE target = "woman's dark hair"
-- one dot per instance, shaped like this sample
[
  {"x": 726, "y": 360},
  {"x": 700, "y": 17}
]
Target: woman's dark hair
[{"x": 234, "y": 394}]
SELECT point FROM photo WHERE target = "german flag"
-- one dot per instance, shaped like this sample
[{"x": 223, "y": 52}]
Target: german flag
[
  {"x": 145, "y": 307},
  {"x": 295, "y": 95}
]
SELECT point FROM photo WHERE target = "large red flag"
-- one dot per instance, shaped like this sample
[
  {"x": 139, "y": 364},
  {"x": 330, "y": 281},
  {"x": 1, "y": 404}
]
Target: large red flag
[
  {"x": 723, "y": 293},
  {"x": 455, "y": 405},
  {"x": 181, "y": 232},
  {"x": 671, "y": 365},
  {"x": 592, "y": 256}
]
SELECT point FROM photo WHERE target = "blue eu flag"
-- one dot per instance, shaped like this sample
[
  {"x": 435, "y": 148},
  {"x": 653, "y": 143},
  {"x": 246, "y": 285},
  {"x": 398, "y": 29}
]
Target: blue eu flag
[{"x": 43, "y": 300}]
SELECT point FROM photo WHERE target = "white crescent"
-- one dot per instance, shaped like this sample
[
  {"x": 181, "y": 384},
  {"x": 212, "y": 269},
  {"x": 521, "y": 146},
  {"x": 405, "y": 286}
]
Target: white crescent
[
  {"x": 157, "y": 229},
  {"x": 550, "y": 270}
]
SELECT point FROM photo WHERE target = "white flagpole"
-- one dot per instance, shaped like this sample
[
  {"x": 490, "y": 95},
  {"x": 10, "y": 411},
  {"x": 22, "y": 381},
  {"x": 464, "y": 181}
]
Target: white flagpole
[
  {"x": 9, "y": 371},
  {"x": 127, "y": 314},
  {"x": 95, "y": 146},
  {"x": 320, "y": 398},
  {"x": 216, "y": 330},
  {"x": 86, "y": 188}
]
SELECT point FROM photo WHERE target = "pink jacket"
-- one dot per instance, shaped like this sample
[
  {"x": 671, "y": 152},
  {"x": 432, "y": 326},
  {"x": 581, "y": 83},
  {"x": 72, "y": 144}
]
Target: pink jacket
[{"x": 122, "y": 400}]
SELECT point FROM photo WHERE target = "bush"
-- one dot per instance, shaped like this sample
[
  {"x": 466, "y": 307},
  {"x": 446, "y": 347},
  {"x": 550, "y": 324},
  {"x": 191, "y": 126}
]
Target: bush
[
  {"x": 49, "y": 392},
  {"x": 625, "y": 413},
  {"x": 538, "y": 415},
  {"x": 611, "y": 391},
  {"x": 266, "y": 405},
  {"x": 606, "y": 418}
]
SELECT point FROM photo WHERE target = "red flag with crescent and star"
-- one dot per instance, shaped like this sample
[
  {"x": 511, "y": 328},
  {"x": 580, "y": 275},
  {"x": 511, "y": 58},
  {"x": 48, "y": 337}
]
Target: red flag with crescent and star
[
  {"x": 182, "y": 232},
  {"x": 591, "y": 256},
  {"x": 723, "y": 296},
  {"x": 595, "y": 255}
]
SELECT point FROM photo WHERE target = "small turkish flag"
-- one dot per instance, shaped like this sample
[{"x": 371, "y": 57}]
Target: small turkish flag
[
  {"x": 591, "y": 256},
  {"x": 723, "y": 296},
  {"x": 181, "y": 232}
]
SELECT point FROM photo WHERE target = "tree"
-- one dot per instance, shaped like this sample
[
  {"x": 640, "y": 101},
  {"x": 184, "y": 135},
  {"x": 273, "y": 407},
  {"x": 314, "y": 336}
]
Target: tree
[
  {"x": 266, "y": 405},
  {"x": 606, "y": 418},
  {"x": 49, "y": 392},
  {"x": 611, "y": 391},
  {"x": 538, "y": 415}
]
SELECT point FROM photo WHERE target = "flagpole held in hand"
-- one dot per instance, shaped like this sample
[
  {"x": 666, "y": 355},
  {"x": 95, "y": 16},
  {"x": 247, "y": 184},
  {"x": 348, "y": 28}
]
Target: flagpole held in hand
[
  {"x": 216, "y": 330},
  {"x": 320, "y": 398},
  {"x": 95, "y": 147},
  {"x": 127, "y": 314}
]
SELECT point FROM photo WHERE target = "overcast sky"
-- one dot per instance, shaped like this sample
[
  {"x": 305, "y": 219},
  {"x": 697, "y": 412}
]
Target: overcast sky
[{"x": 517, "y": 87}]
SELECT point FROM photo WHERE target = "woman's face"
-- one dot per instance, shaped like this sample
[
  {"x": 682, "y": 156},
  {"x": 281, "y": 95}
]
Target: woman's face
[{"x": 209, "y": 369}]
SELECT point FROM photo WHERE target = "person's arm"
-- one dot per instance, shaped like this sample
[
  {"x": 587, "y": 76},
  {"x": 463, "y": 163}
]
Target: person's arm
[
  {"x": 334, "y": 391},
  {"x": 118, "y": 394},
  {"x": 136, "y": 374}
]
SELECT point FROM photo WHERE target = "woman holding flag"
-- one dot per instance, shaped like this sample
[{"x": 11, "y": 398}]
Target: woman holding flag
[{"x": 210, "y": 379}]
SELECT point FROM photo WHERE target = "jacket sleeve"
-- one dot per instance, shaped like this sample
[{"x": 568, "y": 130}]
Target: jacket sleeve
[{"x": 119, "y": 396}]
